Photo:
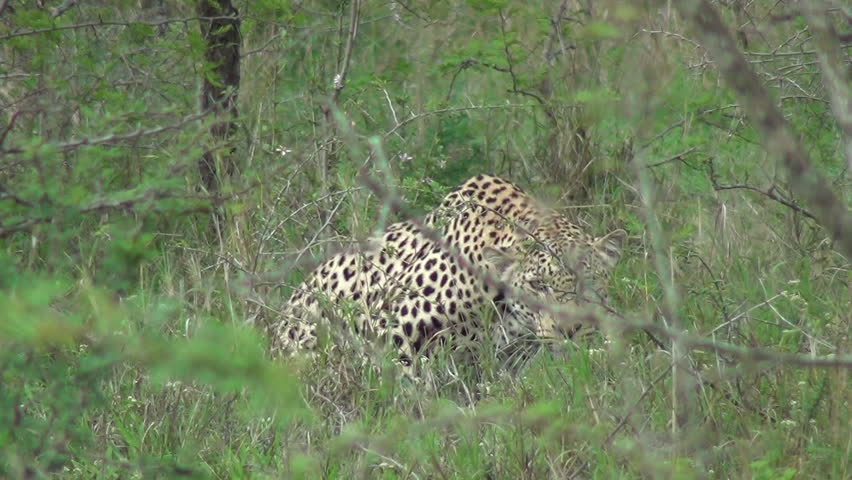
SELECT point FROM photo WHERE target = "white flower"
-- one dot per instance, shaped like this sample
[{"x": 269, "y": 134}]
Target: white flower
[
  {"x": 338, "y": 81},
  {"x": 405, "y": 158},
  {"x": 282, "y": 150}
]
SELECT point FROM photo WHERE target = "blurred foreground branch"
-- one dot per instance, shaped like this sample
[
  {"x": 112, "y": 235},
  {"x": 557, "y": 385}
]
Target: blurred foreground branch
[
  {"x": 836, "y": 71},
  {"x": 768, "y": 120}
]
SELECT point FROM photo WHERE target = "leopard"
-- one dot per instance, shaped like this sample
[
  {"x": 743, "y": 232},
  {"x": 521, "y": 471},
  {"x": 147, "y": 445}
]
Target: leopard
[
  {"x": 366, "y": 276},
  {"x": 486, "y": 247}
]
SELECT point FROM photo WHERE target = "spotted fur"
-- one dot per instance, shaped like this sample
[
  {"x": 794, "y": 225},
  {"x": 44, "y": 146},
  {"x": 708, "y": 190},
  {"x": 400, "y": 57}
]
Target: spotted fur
[{"x": 408, "y": 287}]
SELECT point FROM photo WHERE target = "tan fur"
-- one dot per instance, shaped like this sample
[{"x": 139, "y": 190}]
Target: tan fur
[{"x": 408, "y": 288}]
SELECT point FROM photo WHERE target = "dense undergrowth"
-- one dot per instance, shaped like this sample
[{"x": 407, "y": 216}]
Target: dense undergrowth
[{"x": 132, "y": 335}]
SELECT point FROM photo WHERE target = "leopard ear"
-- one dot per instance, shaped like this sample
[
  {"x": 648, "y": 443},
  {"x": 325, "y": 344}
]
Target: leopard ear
[
  {"x": 502, "y": 260},
  {"x": 610, "y": 245}
]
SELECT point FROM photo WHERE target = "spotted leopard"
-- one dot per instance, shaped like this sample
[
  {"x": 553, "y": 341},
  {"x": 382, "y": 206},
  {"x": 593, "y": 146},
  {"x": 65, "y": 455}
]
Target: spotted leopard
[{"x": 409, "y": 285}]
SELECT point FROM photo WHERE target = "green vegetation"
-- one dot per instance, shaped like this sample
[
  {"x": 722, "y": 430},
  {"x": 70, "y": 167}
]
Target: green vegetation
[{"x": 132, "y": 329}]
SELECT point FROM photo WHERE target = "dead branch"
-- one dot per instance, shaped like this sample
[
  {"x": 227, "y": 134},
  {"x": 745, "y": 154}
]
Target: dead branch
[
  {"x": 468, "y": 63},
  {"x": 9, "y": 126}
]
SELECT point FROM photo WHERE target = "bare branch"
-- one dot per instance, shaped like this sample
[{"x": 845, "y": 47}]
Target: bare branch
[
  {"x": 674, "y": 158},
  {"x": 550, "y": 51},
  {"x": 766, "y": 193},
  {"x": 768, "y": 120},
  {"x": 770, "y": 194},
  {"x": 511, "y": 71},
  {"x": 12, "y": 119},
  {"x": 639, "y": 400},
  {"x": 467, "y": 63},
  {"x": 418, "y": 116}
]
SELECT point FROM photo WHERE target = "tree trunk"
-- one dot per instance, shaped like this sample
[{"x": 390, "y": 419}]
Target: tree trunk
[{"x": 220, "y": 28}]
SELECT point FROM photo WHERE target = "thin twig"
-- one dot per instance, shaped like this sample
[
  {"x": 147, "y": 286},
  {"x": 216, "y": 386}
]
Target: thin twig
[
  {"x": 442, "y": 111},
  {"x": 675, "y": 157},
  {"x": 9, "y": 127},
  {"x": 206, "y": 204},
  {"x": 639, "y": 400},
  {"x": 766, "y": 193},
  {"x": 550, "y": 51},
  {"x": 515, "y": 88}
]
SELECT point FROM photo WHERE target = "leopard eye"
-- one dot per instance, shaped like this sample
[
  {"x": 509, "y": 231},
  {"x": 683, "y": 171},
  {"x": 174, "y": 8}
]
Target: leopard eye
[{"x": 538, "y": 284}]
